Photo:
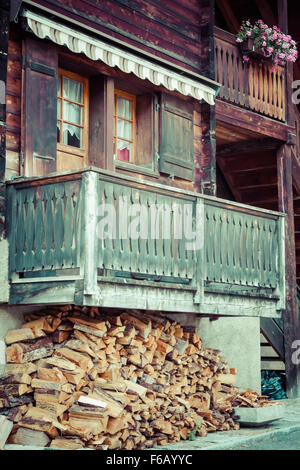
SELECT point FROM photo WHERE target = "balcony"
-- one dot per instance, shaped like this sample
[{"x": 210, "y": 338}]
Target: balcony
[
  {"x": 211, "y": 256},
  {"x": 252, "y": 86}
]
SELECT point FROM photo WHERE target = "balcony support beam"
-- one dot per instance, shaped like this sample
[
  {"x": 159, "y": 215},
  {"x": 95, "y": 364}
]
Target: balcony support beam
[
  {"x": 89, "y": 239},
  {"x": 290, "y": 316}
]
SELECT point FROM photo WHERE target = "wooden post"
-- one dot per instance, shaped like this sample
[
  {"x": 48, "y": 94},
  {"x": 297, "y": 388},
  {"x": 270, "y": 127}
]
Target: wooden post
[
  {"x": 205, "y": 163},
  {"x": 290, "y": 316},
  {"x": 282, "y": 8},
  {"x": 200, "y": 274},
  {"x": 89, "y": 245},
  {"x": 4, "y": 34}
]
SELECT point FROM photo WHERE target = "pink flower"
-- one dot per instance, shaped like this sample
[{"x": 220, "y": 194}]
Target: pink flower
[
  {"x": 275, "y": 36},
  {"x": 264, "y": 43},
  {"x": 248, "y": 33},
  {"x": 260, "y": 21},
  {"x": 246, "y": 58},
  {"x": 270, "y": 49},
  {"x": 239, "y": 40}
]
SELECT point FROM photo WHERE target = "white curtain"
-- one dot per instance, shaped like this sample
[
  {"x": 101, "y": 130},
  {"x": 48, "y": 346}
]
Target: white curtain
[
  {"x": 72, "y": 112},
  {"x": 124, "y": 129}
]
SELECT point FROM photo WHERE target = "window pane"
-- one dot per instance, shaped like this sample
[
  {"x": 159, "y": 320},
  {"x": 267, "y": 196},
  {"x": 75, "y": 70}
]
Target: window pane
[
  {"x": 58, "y": 131},
  {"x": 72, "y": 113},
  {"x": 73, "y": 90},
  {"x": 124, "y": 129},
  {"x": 59, "y": 86},
  {"x": 59, "y": 108},
  {"x": 124, "y": 151},
  {"x": 124, "y": 108},
  {"x": 72, "y": 135}
]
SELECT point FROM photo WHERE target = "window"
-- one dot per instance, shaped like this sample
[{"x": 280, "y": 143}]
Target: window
[
  {"x": 124, "y": 126},
  {"x": 72, "y": 120}
]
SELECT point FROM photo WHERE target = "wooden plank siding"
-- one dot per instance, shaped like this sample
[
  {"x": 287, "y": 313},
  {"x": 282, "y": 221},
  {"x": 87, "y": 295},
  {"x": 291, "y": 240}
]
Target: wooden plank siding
[
  {"x": 13, "y": 105},
  {"x": 4, "y": 36},
  {"x": 204, "y": 136},
  {"x": 171, "y": 30}
]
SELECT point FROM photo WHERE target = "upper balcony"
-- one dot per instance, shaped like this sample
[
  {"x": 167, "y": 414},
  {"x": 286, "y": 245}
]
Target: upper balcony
[
  {"x": 93, "y": 237},
  {"x": 252, "y": 85}
]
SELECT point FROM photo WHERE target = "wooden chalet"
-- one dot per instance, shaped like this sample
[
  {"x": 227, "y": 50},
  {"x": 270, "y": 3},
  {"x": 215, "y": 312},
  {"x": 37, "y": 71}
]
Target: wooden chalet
[{"x": 149, "y": 103}]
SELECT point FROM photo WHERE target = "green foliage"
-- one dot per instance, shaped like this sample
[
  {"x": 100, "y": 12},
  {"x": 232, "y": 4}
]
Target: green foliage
[{"x": 193, "y": 433}]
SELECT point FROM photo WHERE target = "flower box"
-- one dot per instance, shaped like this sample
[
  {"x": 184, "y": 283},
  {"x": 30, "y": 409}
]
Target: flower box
[
  {"x": 248, "y": 48},
  {"x": 267, "y": 43}
]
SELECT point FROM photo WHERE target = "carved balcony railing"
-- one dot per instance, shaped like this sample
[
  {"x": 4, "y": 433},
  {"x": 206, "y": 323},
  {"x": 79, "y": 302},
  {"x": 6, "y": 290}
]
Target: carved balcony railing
[
  {"x": 252, "y": 85},
  {"x": 163, "y": 249}
]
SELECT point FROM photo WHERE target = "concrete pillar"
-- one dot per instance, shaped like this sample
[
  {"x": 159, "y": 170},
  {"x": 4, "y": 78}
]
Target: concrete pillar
[{"x": 238, "y": 339}]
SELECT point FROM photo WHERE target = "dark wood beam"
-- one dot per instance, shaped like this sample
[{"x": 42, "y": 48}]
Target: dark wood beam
[
  {"x": 4, "y": 36},
  {"x": 15, "y": 6},
  {"x": 282, "y": 8},
  {"x": 247, "y": 146},
  {"x": 228, "y": 15},
  {"x": 290, "y": 315},
  {"x": 253, "y": 196},
  {"x": 248, "y": 163},
  {"x": 254, "y": 122},
  {"x": 296, "y": 173},
  {"x": 266, "y": 12}
]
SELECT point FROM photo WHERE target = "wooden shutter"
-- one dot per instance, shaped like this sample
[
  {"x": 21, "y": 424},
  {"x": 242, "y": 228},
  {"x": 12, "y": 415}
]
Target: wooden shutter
[
  {"x": 176, "y": 137},
  {"x": 145, "y": 134},
  {"x": 40, "y": 107}
]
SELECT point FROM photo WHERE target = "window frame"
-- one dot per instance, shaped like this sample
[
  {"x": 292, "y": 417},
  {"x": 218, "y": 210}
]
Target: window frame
[
  {"x": 132, "y": 98},
  {"x": 69, "y": 149}
]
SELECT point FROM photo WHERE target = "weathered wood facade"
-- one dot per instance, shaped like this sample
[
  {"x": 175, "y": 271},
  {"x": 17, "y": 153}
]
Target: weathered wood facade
[{"x": 234, "y": 162}]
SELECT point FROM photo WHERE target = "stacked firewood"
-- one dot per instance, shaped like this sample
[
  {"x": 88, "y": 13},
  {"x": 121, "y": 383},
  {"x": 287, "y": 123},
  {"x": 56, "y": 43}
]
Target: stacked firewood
[{"x": 78, "y": 377}]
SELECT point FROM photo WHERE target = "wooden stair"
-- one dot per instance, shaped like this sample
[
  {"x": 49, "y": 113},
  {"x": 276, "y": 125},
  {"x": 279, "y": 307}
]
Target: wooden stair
[{"x": 272, "y": 345}]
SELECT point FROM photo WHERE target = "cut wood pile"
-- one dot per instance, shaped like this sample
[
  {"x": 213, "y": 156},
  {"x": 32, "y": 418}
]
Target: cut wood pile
[{"x": 78, "y": 377}]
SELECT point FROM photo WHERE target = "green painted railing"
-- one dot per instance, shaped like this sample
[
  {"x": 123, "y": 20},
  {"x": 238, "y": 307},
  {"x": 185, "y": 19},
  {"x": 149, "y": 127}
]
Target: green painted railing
[{"x": 56, "y": 223}]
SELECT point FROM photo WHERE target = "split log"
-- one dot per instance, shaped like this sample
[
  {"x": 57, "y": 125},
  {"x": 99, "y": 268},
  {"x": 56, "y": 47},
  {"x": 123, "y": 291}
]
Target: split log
[
  {"x": 28, "y": 352},
  {"x": 29, "y": 437},
  {"x": 26, "y": 368},
  {"x": 5, "y": 429},
  {"x": 19, "y": 378},
  {"x": 22, "y": 334},
  {"x": 129, "y": 380},
  {"x": 67, "y": 444}
]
